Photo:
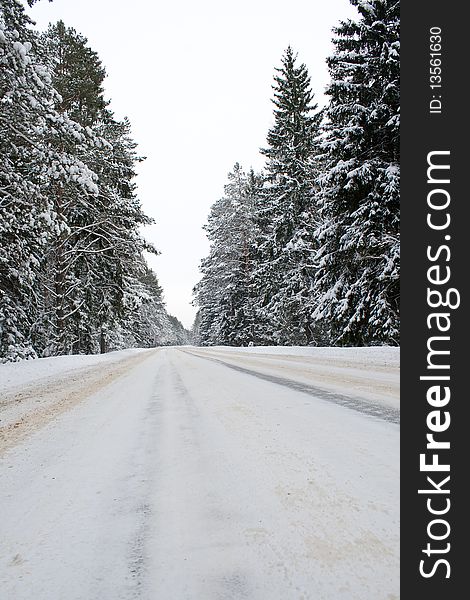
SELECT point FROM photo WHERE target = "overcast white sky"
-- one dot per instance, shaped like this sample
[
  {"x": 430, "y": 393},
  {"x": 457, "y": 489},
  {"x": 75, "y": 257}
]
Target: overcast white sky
[{"x": 194, "y": 77}]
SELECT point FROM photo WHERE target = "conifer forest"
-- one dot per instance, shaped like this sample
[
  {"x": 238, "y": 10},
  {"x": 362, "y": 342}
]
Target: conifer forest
[{"x": 305, "y": 252}]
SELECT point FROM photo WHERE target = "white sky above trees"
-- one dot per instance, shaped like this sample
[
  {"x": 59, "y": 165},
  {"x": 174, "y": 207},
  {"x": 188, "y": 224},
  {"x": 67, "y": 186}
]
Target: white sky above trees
[{"x": 194, "y": 77}]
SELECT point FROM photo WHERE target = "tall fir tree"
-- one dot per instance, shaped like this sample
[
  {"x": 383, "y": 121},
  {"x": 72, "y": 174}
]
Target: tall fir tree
[
  {"x": 286, "y": 215},
  {"x": 29, "y": 163},
  {"x": 358, "y": 259},
  {"x": 22, "y": 205},
  {"x": 96, "y": 258},
  {"x": 225, "y": 293},
  {"x": 72, "y": 271}
]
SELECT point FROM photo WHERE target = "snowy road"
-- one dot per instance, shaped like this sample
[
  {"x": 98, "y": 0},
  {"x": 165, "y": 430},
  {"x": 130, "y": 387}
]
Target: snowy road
[{"x": 199, "y": 474}]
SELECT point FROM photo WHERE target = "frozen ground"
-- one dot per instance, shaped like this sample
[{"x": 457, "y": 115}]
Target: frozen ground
[{"x": 201, "y": 474}]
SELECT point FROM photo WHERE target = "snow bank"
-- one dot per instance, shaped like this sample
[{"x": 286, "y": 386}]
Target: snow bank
[
  {"x": 387, "y": 355},
  {"x": 16, "y": 375}
]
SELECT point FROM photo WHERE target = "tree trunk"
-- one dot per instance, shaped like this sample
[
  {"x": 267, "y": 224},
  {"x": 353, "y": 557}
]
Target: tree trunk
[{"x": 102, "y": 342}]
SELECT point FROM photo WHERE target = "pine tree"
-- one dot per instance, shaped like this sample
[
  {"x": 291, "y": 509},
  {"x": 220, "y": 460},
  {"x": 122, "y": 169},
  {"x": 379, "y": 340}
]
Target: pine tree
[
  {"x": 21, "y": 203},
  {"x": 64, "y": 280},
  {"x": 179, "y": 336},
  {"x": 72, "y": 272},
  {"x": 112, "y": 273},
  {"x": 286, "y": 215},
  {"x": 194, "y": 332},
  {"x": 96, "y": 257},
  {"x": 358, "y": 274},
  {"x": 28, "y": 164},
  {"x": 147, "y": 321},
  {"x": 224, "y": 293},
  {"x": 78, "y": 74}
]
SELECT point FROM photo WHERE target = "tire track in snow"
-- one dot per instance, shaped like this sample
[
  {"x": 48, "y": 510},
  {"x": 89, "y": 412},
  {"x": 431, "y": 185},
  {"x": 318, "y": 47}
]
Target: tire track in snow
[
  {"x": 190, "y": 479},
  {"x": 372, "y": 409},
  {"x": 145, "y": 474}
]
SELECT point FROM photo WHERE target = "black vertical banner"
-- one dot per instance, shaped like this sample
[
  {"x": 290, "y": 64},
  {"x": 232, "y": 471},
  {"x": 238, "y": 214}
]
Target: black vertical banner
[{"x": 435, "y": 361}]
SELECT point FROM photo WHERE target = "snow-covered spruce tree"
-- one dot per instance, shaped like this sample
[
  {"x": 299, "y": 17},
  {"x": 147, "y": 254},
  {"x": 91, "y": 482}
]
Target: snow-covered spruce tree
[
  {"x": 194, "y": 332},
  {"x": 115, "y": 272},
  {"x": 286, "y": 214},
  {"x": 97, "y": 258},
  {"x": 149, "y": 324},
  {"x": 358, "y": 275},
  {"x": 177, "y": 335},
  {"x": 224, "y": 294},
  {"x": 210, "y": 292},
  {"x": 66, "y": 294},
  {"x": 21, "y": 204},
  {"x": 238, "y": 325},
  {"x": 28, "y": 163},
  {"x": 143, "y": 326},
  {"x": 70, "y": 247}
]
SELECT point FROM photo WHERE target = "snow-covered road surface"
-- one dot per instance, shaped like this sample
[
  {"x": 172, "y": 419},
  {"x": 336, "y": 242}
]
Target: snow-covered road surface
[{"x": 166, "y": 475}]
